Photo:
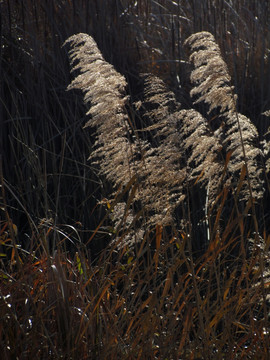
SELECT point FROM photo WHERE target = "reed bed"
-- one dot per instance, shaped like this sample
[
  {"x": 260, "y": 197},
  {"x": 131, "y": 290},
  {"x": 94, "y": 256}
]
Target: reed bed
[{"x": 135, "y": 206}]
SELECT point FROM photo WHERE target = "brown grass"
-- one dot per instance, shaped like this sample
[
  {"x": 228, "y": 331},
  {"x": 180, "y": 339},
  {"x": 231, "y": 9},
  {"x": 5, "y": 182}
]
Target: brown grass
[{"x": 88, "y": 269}]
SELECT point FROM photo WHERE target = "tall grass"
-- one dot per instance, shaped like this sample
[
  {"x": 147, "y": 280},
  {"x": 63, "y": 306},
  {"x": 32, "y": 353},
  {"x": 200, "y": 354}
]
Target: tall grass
[{"x": 97, "y": 264}]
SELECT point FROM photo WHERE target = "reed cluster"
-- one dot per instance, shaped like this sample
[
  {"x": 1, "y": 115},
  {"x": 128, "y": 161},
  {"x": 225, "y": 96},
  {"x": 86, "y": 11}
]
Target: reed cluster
[{"x": 157, "y": 245}]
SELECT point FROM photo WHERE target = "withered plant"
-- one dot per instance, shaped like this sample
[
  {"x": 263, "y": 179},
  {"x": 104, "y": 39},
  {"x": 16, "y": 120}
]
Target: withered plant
[{"x": 177, "y": 182}]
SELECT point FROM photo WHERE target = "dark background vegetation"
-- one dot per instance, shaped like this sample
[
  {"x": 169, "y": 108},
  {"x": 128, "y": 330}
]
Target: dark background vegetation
[
  {"x": 51, "y": 192},
  {"x": 44, "y": 148}
]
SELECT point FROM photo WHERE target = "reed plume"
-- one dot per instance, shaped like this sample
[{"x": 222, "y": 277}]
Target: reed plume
[
  {"x": 104, "y": 91},
  {"x": 171, "y": 147},
  {"x": 163, "y": 167},
  {"x": 124, "y": 154},
  {"x": 237, "y": 136}
]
